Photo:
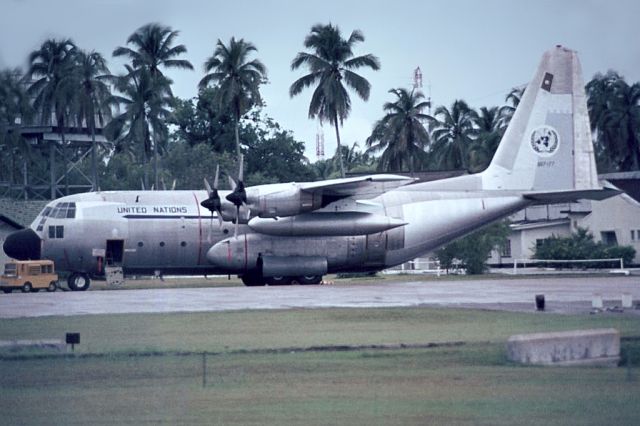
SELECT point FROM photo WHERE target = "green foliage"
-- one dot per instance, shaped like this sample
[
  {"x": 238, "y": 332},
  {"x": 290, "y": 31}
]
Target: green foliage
[
  {"x": 189, "y": 165},
  {"x": 275, "y": 156},
  {"x": 473, "y": 250},
  {"x": 453, "y": 132},
  {"x": 203, "y": 120},
  {"x": 614, "y": 110},
  {"x": 581, "y": 245},
  {"x": 332, "y": 65},
  {"x": 238, "y": 79},
  {"x": 400, "y": 134}
]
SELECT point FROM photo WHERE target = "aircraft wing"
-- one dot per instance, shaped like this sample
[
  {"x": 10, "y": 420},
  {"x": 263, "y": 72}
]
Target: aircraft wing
[
  {"x": 290, "y": 199},
  {"x": 362, "y": 187}
]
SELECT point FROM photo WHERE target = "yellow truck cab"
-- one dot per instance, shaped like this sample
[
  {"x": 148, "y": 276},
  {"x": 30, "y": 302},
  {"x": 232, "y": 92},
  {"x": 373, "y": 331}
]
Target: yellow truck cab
[{"x": 29, "y": 276}]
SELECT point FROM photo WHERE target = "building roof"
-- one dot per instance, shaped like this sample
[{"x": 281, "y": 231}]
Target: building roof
[
  {"x": 628, "y": 182},
  {"x": 534, "y": 224},
  {"x": 20, "y": 214}
]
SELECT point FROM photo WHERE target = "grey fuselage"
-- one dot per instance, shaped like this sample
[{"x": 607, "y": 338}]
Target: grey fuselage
[{"x": 169, "y": 232}]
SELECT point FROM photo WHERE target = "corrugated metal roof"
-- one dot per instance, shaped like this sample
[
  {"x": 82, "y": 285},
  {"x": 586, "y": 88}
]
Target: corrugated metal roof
[{"x": 20, "y": 214}]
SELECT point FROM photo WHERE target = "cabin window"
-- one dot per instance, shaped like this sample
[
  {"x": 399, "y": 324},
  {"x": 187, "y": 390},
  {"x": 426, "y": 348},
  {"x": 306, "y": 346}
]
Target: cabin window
[
  {"x": 183, "y": 244},
  {"x": 140, "y": 244},
  {"x": 56, "y": 231},
  {"x": 161, "y": 243}
]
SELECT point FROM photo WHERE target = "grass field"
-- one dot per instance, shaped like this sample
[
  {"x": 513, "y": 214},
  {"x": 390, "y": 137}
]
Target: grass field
[{"x": 148, "y": 369}]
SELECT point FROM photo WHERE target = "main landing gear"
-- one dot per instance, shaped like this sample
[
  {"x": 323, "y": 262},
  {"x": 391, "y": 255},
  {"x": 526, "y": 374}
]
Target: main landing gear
[
  {"x": 254, "y": 279},
  {"x": 79, "y": 281}
]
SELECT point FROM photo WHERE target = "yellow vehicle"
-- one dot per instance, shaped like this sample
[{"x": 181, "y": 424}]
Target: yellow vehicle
[{"x": 29, "y": 276}]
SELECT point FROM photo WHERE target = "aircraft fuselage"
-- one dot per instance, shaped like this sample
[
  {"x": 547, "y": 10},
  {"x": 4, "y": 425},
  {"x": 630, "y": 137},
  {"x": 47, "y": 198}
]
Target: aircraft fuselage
[{"x": 168, "y": 231}]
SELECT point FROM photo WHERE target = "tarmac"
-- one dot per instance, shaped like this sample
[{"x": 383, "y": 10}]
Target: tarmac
[{"x": 562, "y": 295}]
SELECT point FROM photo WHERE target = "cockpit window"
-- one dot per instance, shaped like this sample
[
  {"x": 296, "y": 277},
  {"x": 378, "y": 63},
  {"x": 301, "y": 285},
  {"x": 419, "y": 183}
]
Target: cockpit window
[
  {"x": 60, "y": 211},
  {"x": 64, "y": 211}
]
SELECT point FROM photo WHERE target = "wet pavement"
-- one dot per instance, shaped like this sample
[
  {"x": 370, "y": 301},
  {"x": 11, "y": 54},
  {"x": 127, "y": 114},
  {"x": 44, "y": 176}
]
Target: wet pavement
[{"x": 562, "y": 295}]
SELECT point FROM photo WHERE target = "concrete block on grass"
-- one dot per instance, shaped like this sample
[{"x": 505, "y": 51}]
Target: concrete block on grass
[{"x": 599, "y": 347}]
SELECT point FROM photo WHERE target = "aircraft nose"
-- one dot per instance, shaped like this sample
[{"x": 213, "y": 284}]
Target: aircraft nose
[{"x": 23, "y": 245}]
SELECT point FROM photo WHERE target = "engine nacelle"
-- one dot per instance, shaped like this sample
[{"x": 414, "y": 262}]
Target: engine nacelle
[{"x": 287, "y": 202}]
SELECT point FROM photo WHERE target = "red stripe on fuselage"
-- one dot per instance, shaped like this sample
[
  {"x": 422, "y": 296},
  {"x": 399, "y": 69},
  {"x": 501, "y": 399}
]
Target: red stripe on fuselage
[
  {"x": 246, "y": 251},
  {"x": 199, "y": 229}
]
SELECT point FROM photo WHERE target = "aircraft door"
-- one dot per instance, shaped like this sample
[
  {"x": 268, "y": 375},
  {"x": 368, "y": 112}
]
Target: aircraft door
[
  {"x": 375, "y": 249},
  {"x": 114, "y": 253}
]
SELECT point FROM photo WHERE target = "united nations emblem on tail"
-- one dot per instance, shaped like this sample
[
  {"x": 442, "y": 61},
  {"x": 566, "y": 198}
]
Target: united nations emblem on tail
[{"x": 545, "y": 141}]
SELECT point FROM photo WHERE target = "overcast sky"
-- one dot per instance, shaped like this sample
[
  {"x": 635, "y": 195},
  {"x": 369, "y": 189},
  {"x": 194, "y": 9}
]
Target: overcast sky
[{"x": 472, "y": 50}]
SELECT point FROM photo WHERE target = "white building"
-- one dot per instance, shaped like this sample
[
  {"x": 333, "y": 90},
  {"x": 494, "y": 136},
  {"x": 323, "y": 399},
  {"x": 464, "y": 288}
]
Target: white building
[{"x": 612, "y": 221}]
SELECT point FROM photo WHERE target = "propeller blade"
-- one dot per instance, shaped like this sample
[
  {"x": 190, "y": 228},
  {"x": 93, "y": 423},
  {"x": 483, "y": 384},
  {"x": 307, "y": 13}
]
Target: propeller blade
[
  {"x": 215, "y": 180},
  {"x": 241, "y": 169},
  {"x": 219, "y": 217},
  {"x": 207, "y": 187},
  {"x": 232, "y": 183}
]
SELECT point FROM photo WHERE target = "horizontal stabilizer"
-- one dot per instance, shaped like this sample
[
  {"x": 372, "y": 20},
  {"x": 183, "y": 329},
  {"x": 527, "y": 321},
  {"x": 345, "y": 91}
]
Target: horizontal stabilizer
[{"x": 570, "y": 196}]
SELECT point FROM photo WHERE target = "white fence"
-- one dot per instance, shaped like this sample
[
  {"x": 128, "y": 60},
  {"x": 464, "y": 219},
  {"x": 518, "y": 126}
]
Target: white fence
[
  {"x": 524, "y": 262},
  {"x": 420, "y": 265}
]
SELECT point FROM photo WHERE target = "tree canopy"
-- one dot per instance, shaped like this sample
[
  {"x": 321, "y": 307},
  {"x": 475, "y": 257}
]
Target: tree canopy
[{"x": 331, "y": 62}]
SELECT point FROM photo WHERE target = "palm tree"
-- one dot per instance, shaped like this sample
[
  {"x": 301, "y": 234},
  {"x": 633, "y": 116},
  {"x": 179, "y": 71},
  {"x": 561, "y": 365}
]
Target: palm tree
[
  {"x": 512, "y": 101},
  {"x": 331, "y": 62},
  {"x": 53, "y": 89},
  {"x": 490, "y": 129},
  {"x": 614, "y": 109},
  {"x": 400, "y": 134},
  {"x": 154, "y": 49},
  {"x": 145, "y": 100},
  {"x": 15, "y": 108},
  {"x": 453, "y": 131},
  {"x": 94, "y": 98},
  {"x": 238, "y": 78}
]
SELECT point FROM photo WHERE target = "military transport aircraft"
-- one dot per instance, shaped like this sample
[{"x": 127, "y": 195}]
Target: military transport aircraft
[{"x": 276, "y": 234}]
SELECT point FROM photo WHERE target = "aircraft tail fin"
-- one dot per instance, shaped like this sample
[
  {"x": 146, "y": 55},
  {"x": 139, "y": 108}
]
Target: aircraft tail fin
[{"x": 547, "y": 146}]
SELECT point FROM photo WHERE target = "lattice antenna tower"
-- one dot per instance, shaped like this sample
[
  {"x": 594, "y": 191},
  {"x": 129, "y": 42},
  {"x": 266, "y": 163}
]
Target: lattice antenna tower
[
  {"x": 417, "y": 84},
  {"x": 320, "y": 143}
]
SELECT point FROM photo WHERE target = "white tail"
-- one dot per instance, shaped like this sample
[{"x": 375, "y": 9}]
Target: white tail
[{"x": 547, "y": 146}]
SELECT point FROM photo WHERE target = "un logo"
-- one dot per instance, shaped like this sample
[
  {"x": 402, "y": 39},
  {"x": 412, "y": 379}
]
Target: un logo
[{"x": 545, "y": 141}]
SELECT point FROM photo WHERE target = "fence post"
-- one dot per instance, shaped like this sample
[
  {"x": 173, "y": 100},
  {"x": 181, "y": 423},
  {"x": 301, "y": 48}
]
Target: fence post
[{"x": 204, "y": 370}]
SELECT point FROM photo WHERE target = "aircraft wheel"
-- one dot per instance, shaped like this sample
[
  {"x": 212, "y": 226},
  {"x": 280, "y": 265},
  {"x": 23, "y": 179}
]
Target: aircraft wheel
[
  {"x": 252, "y": 280},
  {"x": 309, "y": 279},
  {"x": 78, "y": 282},
  {"x": 27, "y": 287},
  {"x": 279, "y": 280},
  {"x": 52, "y": 286}
]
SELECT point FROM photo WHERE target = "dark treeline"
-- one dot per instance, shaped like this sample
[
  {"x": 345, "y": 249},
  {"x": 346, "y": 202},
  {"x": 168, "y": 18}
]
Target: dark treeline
[{"x": 142, "y": 135}]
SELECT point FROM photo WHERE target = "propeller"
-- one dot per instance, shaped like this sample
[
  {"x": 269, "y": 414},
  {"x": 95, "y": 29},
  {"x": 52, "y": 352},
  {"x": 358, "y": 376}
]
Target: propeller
[
  {"x": 213, "y": 203},
  {"x": 238, "y": 196}
]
